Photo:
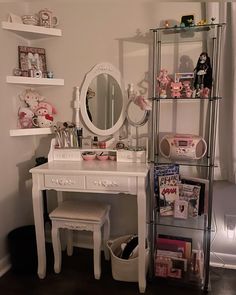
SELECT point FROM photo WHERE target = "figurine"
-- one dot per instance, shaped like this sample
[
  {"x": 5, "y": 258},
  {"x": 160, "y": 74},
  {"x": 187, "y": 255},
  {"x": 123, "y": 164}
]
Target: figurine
[
  {"x": 176, "y": 88},
  {"x": 203, "y": 73},
  {"x": 187, "y": 88},
  {"x": 164, "y": 80}
]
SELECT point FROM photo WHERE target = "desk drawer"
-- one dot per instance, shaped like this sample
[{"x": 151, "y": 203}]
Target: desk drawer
[
  {"x": 64, "y": 181},
  {"x": 110, "y": 183}
]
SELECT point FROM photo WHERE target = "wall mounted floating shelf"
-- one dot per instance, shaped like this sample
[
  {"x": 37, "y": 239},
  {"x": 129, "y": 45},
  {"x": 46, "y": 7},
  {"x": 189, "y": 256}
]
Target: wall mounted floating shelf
[
  {"x": 30, "y": 131},
  {"x": 34, "y": 81},
  {"x": 31, "y": 32}
]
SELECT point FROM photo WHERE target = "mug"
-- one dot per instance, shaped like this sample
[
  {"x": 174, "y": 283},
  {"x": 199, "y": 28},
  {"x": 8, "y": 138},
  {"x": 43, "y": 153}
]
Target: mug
[
  {"x": 46, "y": 19},
  {"x": 43, "y": 121}
]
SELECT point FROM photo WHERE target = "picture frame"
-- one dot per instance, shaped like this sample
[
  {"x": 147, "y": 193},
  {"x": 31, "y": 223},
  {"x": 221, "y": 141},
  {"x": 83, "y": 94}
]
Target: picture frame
[
  {"x": 32, "y": 61},
  {"x": 181, "y": 209}
]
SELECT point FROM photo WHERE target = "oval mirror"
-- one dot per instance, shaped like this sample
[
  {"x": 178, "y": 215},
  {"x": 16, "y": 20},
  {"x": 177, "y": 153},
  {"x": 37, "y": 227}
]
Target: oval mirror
[{"x": 103, "y": 100}]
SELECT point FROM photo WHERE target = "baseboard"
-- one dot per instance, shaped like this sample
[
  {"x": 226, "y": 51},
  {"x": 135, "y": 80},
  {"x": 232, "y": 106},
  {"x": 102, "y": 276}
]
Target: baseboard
[
  {"x": 223, "y": 260},
  {"x": 5, "y": 265}
]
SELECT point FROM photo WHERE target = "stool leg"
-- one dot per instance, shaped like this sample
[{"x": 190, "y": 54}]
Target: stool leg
[
  {"x": 97, "y": 251},
  {"x": 106, "y": 235},
  {"x": 69, "y": 242},
  {"x": 56, "y": 249}
]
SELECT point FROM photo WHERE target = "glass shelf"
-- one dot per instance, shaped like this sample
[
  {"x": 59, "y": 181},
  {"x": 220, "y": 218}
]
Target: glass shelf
[
  {"x": 199, "y": 163},
  {"x": 195, "y": 33},
  {"x": 186, "y": 98},
  {"x": 198, "y": 223}
]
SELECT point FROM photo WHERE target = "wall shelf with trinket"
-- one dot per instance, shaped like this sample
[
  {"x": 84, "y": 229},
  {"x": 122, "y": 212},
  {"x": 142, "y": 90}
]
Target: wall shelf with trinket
[{"x": 29, "y": 33}]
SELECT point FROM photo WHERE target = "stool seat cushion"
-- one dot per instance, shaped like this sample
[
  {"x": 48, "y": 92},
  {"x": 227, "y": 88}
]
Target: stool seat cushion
[{"x": 80, "y": 210}]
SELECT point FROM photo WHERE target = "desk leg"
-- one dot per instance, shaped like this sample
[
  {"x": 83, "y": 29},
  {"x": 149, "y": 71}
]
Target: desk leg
[
  {"x": 39, "y": 226},
  {"x": 141, "y": 200}
]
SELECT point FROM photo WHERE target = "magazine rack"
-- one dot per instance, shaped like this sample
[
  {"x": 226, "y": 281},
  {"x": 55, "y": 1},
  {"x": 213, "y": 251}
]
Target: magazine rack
[{"x": 194, "y": 269}]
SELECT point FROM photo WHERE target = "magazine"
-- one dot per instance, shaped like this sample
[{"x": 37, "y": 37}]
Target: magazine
[
  {"x": 167, "y": 197},
  {"x": 164, "y": 169},
  {"x": 191, "y": 194}
]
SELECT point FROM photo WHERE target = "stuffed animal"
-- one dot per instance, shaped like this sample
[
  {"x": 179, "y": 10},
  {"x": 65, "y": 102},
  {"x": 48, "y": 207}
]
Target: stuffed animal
[
  {"x": 31, "y": 98},
  {"x": 175, "y": 88},
  {"x": 187, "y": 89},
  {"x": 25, "y": 117},
  {"x": 45, "y": 108}
]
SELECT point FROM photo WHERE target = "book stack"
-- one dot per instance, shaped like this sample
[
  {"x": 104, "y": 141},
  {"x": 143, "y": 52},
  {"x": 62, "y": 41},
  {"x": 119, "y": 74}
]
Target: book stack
[
  {"x": 172, "y": 256},
  {"x": 175, "y": 258}
]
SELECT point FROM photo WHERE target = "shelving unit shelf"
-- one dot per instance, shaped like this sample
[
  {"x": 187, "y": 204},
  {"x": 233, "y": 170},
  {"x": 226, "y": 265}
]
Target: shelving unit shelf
[{"x": 209, "y": 38}]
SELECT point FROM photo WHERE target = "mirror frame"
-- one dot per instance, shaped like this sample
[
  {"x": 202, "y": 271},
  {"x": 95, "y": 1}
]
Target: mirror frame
[
  {"x": 143, "y": 120},
  {"x": 102, "y": 68}
]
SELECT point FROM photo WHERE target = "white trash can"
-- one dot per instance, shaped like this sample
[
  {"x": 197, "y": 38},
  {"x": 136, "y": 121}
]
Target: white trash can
[{"x": 124, "y": 269}]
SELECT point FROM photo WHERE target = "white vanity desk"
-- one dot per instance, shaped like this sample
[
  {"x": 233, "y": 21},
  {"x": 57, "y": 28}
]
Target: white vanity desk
[
  {"x": 98, "y": 177},
  {"x": 70, "y": 172}
]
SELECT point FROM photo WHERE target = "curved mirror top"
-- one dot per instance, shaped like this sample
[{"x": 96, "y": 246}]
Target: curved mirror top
[{"x": 103, "y": 100}]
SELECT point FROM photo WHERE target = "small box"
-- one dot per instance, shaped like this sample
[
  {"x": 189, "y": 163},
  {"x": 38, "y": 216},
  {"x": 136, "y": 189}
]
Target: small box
[{"x": 86, "y": 142}]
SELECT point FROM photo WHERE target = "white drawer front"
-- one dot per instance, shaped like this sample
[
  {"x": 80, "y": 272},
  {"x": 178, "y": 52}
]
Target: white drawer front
[
  {"x": 66, "y": 181},
  {"x": 109, "y": 183}
]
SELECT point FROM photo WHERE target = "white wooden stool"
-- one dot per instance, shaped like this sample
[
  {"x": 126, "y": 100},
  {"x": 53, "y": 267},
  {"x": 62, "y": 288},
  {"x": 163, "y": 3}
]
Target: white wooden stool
[{"x": 80, "y": 215}]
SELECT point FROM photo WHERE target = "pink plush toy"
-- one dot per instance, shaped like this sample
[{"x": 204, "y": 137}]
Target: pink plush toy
[
  {"x": 143, "y": 103},
  {"x": 25, "y": 117},
  {"x": 45, "y": 108},
  {"x": 187, "y": 89},
  {"x": 205, "y": 92},
  {"x": 176, "y": 88}
]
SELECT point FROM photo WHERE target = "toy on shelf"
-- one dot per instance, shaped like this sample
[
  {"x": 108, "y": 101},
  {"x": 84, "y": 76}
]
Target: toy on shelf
[
  {"x": 164, "y": 81},
  {"x": 176, "y": 88},
  {"x": 203, "y": 74},
  {"x": 36, "y": 112},
  {"x": 187, "y": 91}
]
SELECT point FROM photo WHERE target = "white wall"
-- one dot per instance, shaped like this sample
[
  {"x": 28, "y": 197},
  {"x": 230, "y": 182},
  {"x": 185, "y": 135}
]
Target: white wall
[{"x": 93, "y": 31}]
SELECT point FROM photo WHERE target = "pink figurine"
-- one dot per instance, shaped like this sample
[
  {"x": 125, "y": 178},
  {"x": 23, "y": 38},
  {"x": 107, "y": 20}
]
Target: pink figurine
[
  {"x": 204, "y": 92},
  {"x": 187, "y": 89},
  {"x": 163, "y": 80},
  {"x": 176, "y": 88}
]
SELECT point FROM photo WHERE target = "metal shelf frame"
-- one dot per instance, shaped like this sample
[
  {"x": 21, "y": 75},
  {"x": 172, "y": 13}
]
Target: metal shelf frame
[{"x": 211, "y": 123}]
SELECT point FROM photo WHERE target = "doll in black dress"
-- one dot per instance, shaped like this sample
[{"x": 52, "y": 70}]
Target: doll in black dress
[{"x": 203, "y": 74}]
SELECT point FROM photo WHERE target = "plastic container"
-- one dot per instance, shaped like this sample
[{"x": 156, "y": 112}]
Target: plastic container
[
  {"x": 23, "y": 249},
  {"x": 124, "y": 269}
]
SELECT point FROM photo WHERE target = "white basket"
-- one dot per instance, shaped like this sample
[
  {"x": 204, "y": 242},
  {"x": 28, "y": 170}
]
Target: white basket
[{"x": 124, "y": 269}]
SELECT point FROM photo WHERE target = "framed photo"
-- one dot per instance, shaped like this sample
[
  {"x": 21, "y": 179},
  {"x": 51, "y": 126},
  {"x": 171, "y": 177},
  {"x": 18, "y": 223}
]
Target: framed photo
[
  {"x": 32, "y": 61},
  {"x": 181, "y": 209}
]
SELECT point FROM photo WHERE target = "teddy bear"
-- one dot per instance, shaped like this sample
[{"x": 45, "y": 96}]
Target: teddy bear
[{"x": 31, "y": 98}]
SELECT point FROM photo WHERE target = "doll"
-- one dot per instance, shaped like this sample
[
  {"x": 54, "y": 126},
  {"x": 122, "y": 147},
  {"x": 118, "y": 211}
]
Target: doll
[{"x": 203, "y": 73}]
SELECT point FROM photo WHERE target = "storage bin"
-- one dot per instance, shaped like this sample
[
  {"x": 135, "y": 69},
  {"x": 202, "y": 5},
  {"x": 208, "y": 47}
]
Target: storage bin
[
  {"x": 124, "y": 269},
  {"x": 23, "y": 250}
]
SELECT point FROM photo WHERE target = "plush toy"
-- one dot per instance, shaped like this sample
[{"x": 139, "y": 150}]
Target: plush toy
[
  {"x": 44, "y": 108},
  {"x": 31, "y": 98},
  {"x": 187, "y": 89},
  {"x": 176, "y": 88},
  {"x": 25, "y": 117},
  {"x": 143, "y": 103}
]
